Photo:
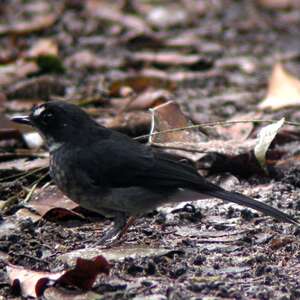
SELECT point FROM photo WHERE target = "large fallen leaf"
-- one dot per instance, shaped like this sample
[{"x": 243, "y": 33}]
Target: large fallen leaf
[
  {"x": 265, "y": 138},
  {"x": 168, "y": 116},
  {"x": 33, "y": 283},
  {"x": 283, "y": 90},
  {"x": 214, "y": 155},
  {"x": 52, "y": 203}
]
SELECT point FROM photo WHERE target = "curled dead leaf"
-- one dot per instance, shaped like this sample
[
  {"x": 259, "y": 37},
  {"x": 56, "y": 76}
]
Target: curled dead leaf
[{"x": 265, "y": 138}]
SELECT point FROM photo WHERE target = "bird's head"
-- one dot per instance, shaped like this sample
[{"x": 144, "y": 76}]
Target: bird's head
[{"x": 59, "y": 122}]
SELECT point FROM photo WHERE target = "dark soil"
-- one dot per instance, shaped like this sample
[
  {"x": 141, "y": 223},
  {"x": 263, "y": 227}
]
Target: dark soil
[{"x": 215, "y": 250}]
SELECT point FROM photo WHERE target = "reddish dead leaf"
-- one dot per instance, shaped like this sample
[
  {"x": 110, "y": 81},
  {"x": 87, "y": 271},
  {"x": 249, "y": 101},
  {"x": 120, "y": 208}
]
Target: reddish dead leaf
[
  {"x": 85, "y": 272},
  {"x": 280, "y": 242},
  {"x": 169, "y": 116},
  {"x": 33, "y": 283}
]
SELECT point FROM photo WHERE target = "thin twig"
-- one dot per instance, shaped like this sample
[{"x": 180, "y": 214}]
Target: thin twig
[
  {"x": 23, "y": 174},
  {"x": 211, "y": 124}
]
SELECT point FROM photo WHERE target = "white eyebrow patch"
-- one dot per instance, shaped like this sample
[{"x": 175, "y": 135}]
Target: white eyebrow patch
[{"x": 38, "y": 111}]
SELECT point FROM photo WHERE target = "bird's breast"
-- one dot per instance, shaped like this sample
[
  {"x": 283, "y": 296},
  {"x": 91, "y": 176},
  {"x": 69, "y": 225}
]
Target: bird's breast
[{"x": 65, "y": 179}]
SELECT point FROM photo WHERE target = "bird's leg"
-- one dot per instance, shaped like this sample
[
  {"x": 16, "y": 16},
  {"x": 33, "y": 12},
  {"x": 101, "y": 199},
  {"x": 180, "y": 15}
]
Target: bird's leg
[
  {"x": 124, "y": 230},
  {"x": 118, "y": 228}
]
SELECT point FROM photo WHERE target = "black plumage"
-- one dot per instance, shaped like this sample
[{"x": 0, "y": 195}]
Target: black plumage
[{"x": 108, "y": 172}]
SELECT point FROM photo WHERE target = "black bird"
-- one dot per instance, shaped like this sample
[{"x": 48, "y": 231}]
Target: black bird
[{"x": 109, "y": 173}]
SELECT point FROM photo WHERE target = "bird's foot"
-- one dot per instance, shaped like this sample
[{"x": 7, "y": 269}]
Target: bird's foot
[{"x": 113, "y": 237}]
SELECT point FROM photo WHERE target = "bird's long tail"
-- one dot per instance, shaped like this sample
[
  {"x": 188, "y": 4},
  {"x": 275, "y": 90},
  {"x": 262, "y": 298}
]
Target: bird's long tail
[{"x": 254, "y": 204}]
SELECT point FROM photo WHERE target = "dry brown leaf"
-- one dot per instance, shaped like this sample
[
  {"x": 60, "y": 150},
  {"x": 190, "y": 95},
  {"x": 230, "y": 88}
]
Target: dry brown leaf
[
  {"x": 169, "y": 116},
  {"x": 283, "y": 90},
  {"x": 33, "y": 283},
  {"x": 52, "y": 202},
  {"x": 278, "y": 243},
  {"x": 226, "y": 156}
]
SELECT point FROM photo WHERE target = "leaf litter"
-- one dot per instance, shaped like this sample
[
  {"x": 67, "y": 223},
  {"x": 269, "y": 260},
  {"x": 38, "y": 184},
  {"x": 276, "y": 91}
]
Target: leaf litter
[{"x": 117, "y": 60}]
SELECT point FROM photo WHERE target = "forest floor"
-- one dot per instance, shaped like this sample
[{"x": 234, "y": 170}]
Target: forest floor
[{"x": 214, "y": 59}]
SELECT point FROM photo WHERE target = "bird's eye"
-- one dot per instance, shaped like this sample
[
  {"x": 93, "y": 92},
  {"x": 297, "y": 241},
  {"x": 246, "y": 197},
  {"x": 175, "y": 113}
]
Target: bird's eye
[{"x": 47, "y": 115}]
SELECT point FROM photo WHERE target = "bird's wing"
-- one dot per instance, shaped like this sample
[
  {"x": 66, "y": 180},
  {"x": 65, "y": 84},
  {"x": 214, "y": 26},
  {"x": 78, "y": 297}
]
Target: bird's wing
[{"x": 121, "y": 162}]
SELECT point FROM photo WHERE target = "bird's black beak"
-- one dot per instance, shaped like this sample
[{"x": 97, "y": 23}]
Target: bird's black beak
[{"x": 22, "y": 120}]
